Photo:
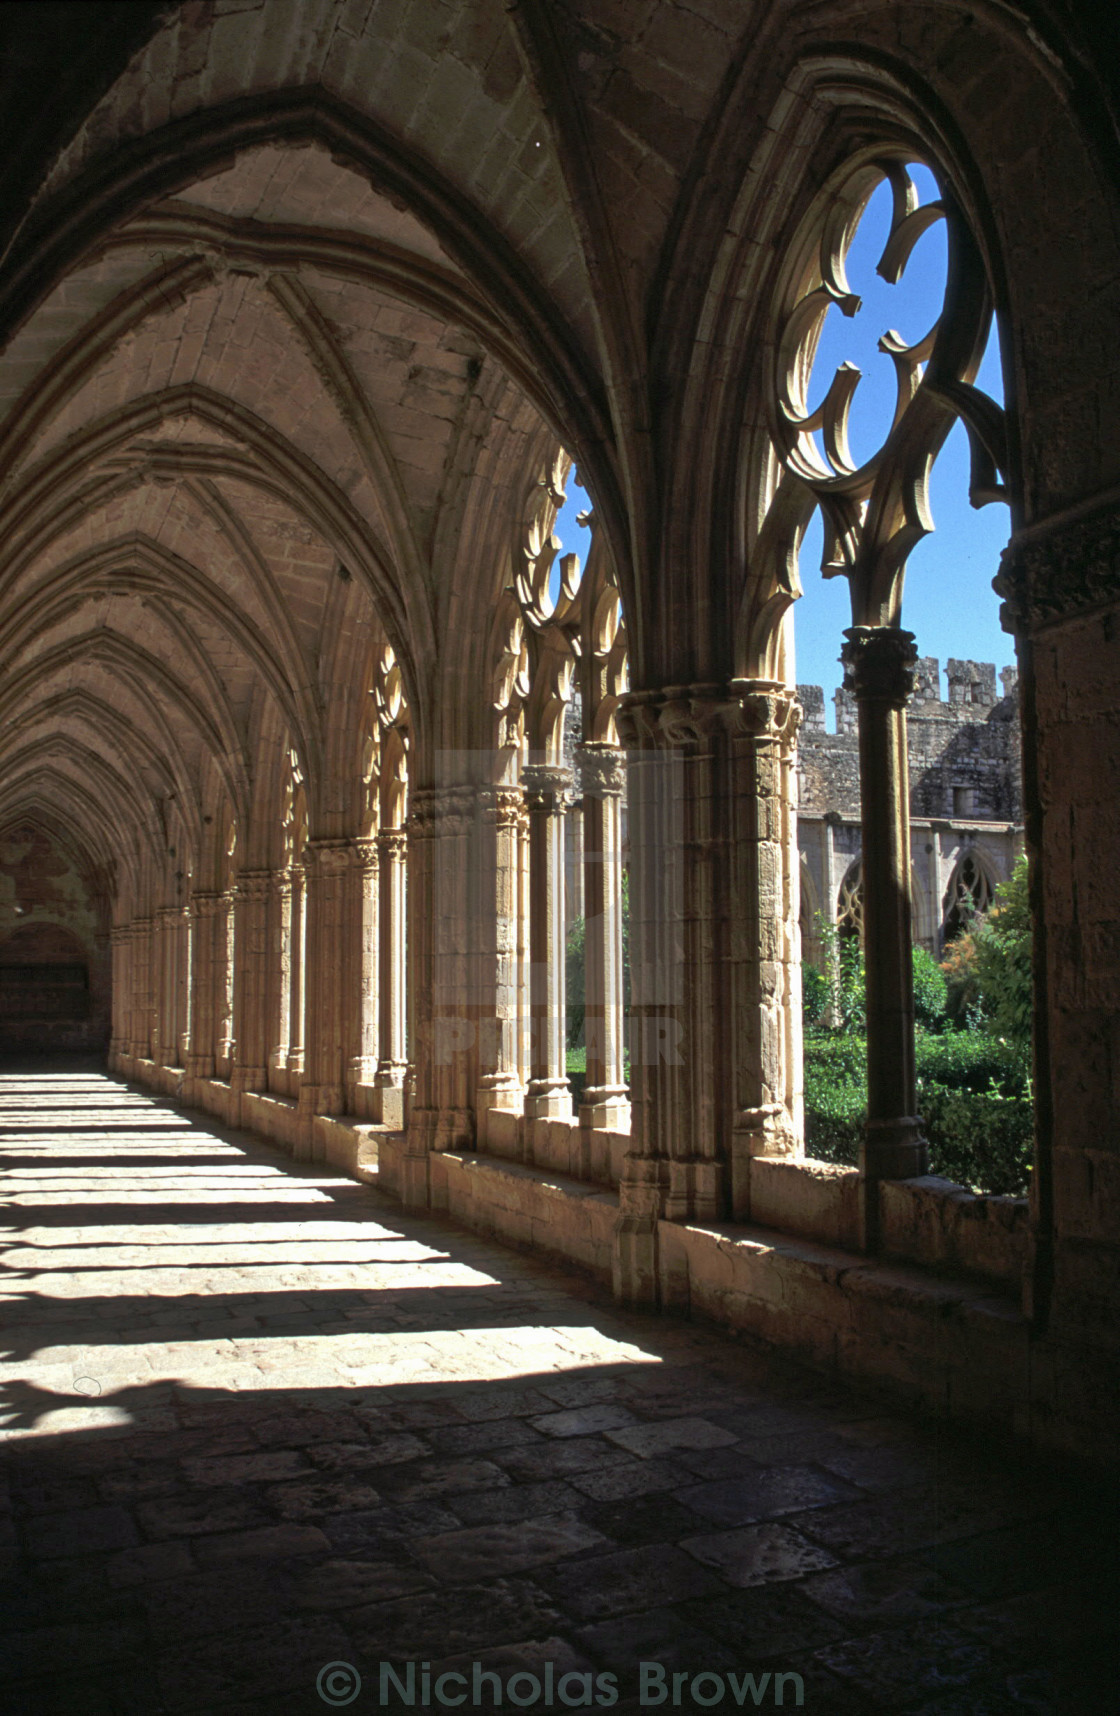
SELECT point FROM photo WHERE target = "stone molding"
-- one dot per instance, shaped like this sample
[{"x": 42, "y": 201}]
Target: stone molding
[
  {"x": 393, "y": 843},
  {"x": 601, "y": 769},
  {"x": 682, "y": 715},
  {"x": 880, "y": 664},
  {"x": 1070, "y": 568},
  {"x": 207, "y": 905}
]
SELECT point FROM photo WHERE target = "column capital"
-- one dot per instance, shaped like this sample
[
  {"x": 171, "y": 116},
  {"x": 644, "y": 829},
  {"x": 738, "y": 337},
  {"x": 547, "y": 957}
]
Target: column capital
[
  {"x": 503, "y": 805},
  {"x": 601, "y": 769},
  {"x": 206, "y": 904},
  {"x": 448, "y": 809},
  {"x": 392, "y": 842},
  {"x": 332, "y": 856},
  {"x": 252, "y": 884},
  {"x": 880, "y": 664},
  {"x": 696, "y": 714},
  {"x": 1060, "y": 569},
  {"x": 543, "y": 783}
]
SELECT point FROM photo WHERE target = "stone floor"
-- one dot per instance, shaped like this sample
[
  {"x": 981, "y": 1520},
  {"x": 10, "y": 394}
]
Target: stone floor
[{"x": 257, "y": 1422}]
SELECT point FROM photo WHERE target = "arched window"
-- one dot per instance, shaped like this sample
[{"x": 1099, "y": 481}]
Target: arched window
[{"x": 968, "y": 895}]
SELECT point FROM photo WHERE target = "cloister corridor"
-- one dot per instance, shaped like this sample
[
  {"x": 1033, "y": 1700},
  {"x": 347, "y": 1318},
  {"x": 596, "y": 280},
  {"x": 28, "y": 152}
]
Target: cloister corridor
[{"x": 257, "y": 1422}]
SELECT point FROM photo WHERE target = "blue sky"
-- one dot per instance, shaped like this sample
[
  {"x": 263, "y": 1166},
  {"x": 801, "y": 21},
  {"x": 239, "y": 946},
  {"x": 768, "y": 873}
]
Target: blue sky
[{"x": 949, "y": 602}]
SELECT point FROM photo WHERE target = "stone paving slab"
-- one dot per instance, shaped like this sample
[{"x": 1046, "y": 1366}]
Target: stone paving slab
[{"x": 256, "y": 1422}]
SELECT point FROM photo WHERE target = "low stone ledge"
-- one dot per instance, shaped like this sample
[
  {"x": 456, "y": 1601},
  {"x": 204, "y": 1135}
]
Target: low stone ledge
[
  {"x": 818, "y": 1200},
  {"x": 551, "y": 1213},
  {"x": 942, "y": 1225},
  {"x": 959, "y": 1349},
  {"x": 349, "y": 1144}
]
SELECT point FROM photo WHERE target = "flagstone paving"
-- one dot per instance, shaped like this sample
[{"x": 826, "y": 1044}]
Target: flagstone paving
[{"x": 258, "y": 1422}]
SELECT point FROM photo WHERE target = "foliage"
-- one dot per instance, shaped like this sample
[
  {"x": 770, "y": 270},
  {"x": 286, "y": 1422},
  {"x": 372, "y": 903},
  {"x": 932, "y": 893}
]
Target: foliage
[
  {"x": 1003, "y": 960},
  {"x": 988, "y": 967},
  {"x": 816, "y": 993},
  {"x": 930, "y": 990},
  {"x": 973, "y": 1095}
]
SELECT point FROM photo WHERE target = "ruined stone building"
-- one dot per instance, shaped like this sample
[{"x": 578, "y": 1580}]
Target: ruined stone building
[
  {"x": 307, "y": 307},
  {"x": 966, "y": 815}
]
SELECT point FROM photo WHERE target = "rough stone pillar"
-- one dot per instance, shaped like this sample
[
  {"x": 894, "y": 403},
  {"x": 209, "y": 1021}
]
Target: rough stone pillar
[
  {"x": 440, "y": 1115},
  {"x": 715, "y": 994},
  {"x": 392, "y": 1064},
  {"x": 120, "y": 941},
  {"x": 549, "y": 1093},
  {"x": 141, "y": 1030},
  {"x": 880, "y": 664},
  {"x": 207, "y": 922},
  {"x": 158, "y": 974},
  {"x": 323, "y": 1089},
  {"x": 165, "y": 1036},
  {"x": 359, "y": 970},
  {"x": 1060, "y": 580},
  {"x": 605, "y": 1101},
  {"x": 249, "y": 1071},
  {"x": 502, "y": 819},
  {"x": 761, "y": 720},
  {"x": 278, "y": 978},
  {"x": 182, "y": 934},
  {"x": 224, "y": 953},
  {"x": 297, "y": 992}
]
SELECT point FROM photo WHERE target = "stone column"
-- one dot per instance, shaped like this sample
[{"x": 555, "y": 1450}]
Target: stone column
[
  {"x": 502, "y": 819},
  {"x": 1060, "y": 580},
  {"x": 168, "y": 920},
  {"x": 323, "y": 1089},
  {"x": 297, "y": 993},
  {"x": 141, "y": 1032},
  {"x": 392, "y": 1063},
  {"x": 182, "y": 933},
  {"x": 880, "y": 665},
  {"x": 359, "y": 972},
  {"x": 249, "y": 1071},
  {"x": 605, "y": 1102},
  {"x": 549, "y": 1094},
  {"x": 278, "y": 979},
  {"x": 761, "y": 719},
  {"x": 224, "y": 953},
  {"x": 120, "y": 941},
  {"x": 440, "y": 1115},
  {"x": 207, "y": 921},
  {"x": 158, "y": 973},
  {"x": 715, "y": 993}
]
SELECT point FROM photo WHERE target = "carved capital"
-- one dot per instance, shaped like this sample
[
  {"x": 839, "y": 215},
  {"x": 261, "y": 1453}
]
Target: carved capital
[
  {"x": 503, "y": 806},
  {"x": 545, "y": 784},
  {"x": 1062, "y": 571},
  {"x": 207, "y": 905},
  {"x": 252, "y": 884},
  {"x": 442, "y": 810},
  {"x": 602, "y": 770},
  {"x": 880, "y": 664},
  {"x": 684, "y": 715},
  {"x": 393, "y": 844}
]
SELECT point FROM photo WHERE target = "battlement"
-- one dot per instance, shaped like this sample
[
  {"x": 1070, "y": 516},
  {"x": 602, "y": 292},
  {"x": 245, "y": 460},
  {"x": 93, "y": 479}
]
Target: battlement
[{"x": 972, "y": 687}]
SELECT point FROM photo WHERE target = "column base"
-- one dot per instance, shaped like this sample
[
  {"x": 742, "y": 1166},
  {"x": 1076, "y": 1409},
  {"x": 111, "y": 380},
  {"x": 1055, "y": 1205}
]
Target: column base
[
  {"x": 641, "y": 1205},
  {"x": 696, "y": 1190},
  {"x": 892, "y": 1150},
  {"x": 605, "y": 1107},
  {"x": 763, "y": 1131},
  {"x": 548, "y": 1099}
]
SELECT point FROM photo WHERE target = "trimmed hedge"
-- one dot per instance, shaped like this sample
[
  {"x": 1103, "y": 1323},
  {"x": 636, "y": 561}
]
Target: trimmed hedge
[{"x": 972, "y": 1095}]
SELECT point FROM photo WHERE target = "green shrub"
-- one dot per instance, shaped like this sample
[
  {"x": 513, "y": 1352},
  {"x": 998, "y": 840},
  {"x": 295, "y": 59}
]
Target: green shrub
[
  {"x": 816, "y": 993},
  {"x": 930, "y": 990},
  {"x": 983, "y": 1141},
  {"x": 1002, "y": 954},
  {"x": 973, "y": 1096}
]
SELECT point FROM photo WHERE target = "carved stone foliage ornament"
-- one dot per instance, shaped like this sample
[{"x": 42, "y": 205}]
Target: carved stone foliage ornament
[
  {"x": 1070, "y": 568},
  {"x": 880, "y": 663},
  {"x": 691, "y": 715}
]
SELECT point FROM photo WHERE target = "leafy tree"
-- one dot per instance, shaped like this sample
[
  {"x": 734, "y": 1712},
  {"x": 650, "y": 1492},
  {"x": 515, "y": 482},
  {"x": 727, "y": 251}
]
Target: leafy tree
[{"x": 1002, "y": 955}]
